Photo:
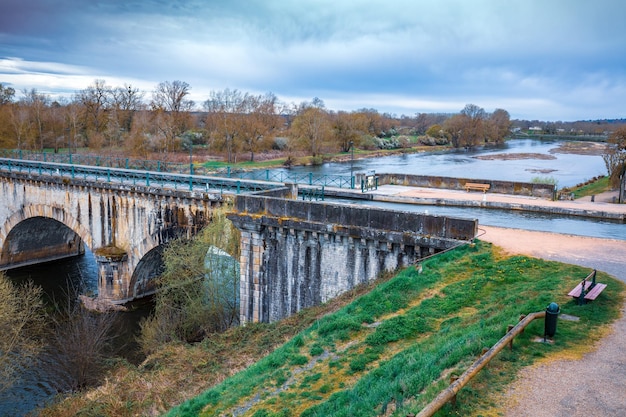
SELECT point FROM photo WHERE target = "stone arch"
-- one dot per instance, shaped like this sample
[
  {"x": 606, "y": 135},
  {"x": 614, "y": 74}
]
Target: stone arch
[
  {"x": 42, "y": 210},
  {"x": 150, "y": 250},
  {"x": 142, "y": 280},
  {"x": 34, "y": 211}
]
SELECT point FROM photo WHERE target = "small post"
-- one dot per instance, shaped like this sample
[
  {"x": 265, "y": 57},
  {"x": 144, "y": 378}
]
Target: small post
[
  {"x": 453, "y": 378},
  {"x": 352, "y": 163},
  {"x": 508, "y": 329}
]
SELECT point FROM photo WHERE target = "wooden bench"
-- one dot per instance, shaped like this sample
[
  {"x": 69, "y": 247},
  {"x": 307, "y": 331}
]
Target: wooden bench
[
  {"x": 312, "y": 193},
  {"x": 588, "y": 289},
  {"x": 476, "y": 186}
]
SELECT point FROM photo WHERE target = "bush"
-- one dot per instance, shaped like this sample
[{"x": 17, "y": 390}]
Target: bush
[
  {"x": 198, "y": 291},
  {"x": 317, "y": 160},
  {"x": 280, "y": 143}
]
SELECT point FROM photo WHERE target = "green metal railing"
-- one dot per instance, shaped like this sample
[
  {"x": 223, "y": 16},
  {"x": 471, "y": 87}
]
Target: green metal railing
[
  {"x": 135, "y": 177},
  {"x": 339, "y": 181}
]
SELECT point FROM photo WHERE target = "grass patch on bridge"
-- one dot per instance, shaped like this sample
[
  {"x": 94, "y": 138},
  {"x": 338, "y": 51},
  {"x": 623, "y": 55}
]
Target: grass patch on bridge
[{"x": 394, "y": 348}]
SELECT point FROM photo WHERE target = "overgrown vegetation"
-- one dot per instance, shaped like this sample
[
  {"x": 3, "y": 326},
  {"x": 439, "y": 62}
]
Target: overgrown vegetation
[
  {"x": 545, "y": 180},
  {"x": 74, "y": 344},
  {"x": 21, "y": 322},
  {"x": 198, "y": 290}
]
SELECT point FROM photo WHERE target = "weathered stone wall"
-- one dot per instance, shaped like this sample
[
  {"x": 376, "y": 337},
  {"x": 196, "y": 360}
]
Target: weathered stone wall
[
  {"x": 296, "y": 254},
  {"x": 132, "y": 219},
  {"x": 496, "y": 186}
]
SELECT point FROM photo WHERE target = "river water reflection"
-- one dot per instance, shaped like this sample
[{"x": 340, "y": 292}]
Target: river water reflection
[{"x": 567, "y": 168}]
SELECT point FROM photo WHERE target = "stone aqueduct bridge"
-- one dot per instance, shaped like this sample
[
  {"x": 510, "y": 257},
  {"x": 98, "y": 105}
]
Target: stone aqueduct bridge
[{"x": 294, "y": 253}]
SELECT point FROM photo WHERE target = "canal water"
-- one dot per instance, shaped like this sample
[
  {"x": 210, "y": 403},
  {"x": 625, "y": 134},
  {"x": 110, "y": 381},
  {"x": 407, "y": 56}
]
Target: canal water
[{"x": 515, "y": 219}]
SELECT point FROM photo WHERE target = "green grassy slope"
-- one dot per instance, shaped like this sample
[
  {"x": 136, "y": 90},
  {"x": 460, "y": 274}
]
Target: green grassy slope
[{"x": 392, "y": 350}]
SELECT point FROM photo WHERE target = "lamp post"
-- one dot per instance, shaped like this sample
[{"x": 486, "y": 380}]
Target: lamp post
[
  {"x": 69, "y": 143},
  {"x": 190, "y": 158},
  {"x": 352, "y": 165},
  {"x": 188, "y": 142}
]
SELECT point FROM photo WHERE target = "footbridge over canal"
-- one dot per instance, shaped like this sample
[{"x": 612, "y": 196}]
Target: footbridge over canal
[{"x": 294, "y": 254}]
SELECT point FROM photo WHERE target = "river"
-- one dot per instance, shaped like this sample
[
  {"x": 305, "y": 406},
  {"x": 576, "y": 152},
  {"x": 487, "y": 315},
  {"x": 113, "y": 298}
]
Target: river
[
  {"x": 567, "y": 169},
  {"x": 36, "y": 387}
]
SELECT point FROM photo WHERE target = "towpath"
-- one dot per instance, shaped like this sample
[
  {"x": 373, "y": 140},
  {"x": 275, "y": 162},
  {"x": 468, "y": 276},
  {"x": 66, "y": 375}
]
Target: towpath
[{"x": 594, "y": 385}]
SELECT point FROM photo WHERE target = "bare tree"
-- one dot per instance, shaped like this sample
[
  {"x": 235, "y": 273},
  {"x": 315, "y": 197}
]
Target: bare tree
[
  {"x": 497, "y": 126},
  {"x": 349, "y": 128},
  {"x": 615, "y": 156},
  {"x": 125, "y": 102},
  {"x": 72, "y": 112},
  {"x": 21, "y": 321},
  {"x": 6, "y": 94},
  {"x": 475, "y": 125},
  {"x": 95, "y": 101},
  {"x": 19, "y": 122},
  {"x": 312, "y": 128},
  {"x": 171, "y": 96},
  {"x": 81, "y": 342},
  {"x": 225, "y": 120},
  {"x": 37, "y": 104},
  {"x": 171, "y": 110},
  {"x": 261, "y": 121}
]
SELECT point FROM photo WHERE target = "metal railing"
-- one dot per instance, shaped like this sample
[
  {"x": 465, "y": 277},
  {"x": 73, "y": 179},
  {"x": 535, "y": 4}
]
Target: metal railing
[
  {"x": 450, "y": 392},
  {"x": 339, "y": 181},
  {"x": 135, "y": 177}
]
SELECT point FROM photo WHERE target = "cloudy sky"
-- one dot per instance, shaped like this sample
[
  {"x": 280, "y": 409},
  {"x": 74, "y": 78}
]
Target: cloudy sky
[{"x": 539, "y": 59}]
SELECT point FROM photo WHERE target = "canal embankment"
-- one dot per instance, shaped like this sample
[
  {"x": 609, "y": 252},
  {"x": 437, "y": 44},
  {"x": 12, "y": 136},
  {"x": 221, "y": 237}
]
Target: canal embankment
[{"x": 600, "y": 207}]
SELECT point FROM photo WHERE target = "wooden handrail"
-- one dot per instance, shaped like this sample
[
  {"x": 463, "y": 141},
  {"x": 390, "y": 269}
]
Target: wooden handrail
[{"x": 450, "y": 392}]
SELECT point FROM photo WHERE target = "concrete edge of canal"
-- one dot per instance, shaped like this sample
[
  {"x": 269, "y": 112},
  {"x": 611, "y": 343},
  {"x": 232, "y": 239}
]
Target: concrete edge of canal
[{"x": 442, "y": 197}]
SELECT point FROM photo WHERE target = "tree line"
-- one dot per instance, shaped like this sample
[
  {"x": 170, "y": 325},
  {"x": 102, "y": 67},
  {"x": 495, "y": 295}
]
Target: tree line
[
  {"x": 231, "y": 123},
  {"x": 238, "y": 125}
]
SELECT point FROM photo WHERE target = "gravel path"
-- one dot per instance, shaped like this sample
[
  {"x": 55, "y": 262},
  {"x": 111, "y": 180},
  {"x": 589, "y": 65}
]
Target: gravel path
[{"x": 594, "y": 385}]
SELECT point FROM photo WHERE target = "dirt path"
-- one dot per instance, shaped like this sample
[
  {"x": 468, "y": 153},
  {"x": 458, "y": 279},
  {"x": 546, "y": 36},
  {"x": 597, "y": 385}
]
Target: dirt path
[{"x": 594, "y": 385}]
